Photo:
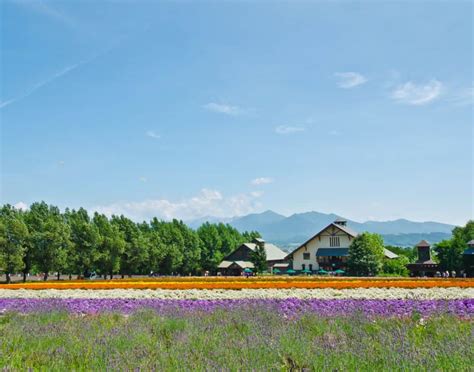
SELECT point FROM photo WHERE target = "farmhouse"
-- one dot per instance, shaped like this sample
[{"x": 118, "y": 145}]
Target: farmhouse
[
  {"x": 327, "y": 250},
  {"x": 239, "y": 260}
]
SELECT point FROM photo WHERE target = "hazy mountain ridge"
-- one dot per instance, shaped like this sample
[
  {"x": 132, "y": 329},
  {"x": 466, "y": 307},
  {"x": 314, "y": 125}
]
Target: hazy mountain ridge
[{"x": 297, "y": 228}]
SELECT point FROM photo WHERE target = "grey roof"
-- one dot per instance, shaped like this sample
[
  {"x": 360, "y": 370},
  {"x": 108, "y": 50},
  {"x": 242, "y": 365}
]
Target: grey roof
[
  {"x": 242, "y": 264},
  {"x": 471, "y": 242},
  {"x": 272, "y": 251},
  {"x": 423, "y": 243},
  {"x": 325, "y": 252},
  {"x": 259, "y": 240},
  {"x": 283, "y": 265},
  {"x": 224, "y": 264},
  {"x": 345, "y": 229},
  {"x": 389, "y": 254}
]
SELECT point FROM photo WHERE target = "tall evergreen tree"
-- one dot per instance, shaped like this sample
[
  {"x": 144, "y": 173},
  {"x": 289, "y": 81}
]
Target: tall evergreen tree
[{"x": 259, "y": 258}]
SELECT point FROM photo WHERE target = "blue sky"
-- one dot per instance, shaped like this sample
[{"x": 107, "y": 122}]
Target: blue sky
[{"x": 189, "y": 109}]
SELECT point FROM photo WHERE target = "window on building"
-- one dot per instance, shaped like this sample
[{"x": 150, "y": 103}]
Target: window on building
[
  {"x": 306, "y": 256},
  {"x": 334, "y": 241},
  {"x": 303, "y": 267},
  {"x": 310, "y": 267}
]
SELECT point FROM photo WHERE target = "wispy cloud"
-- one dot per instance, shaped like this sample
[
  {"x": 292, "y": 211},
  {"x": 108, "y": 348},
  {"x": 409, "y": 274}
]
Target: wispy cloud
[
  {"x": 334, "y": 132},
  {"x": 349, "y": 80},
  {"x": 262, "y": 181},
  {"x": 43, "y": 83},
  {"x": 464, "y": 97},
  {"x": 153, "y": 134},
  {"x": 40, "y": 7},
  {"x": 288, "y": 129},
  {"x": 222, "y": 108},
  {"x": 207, "y": 203},
  {"x": 417, "y": 94}
]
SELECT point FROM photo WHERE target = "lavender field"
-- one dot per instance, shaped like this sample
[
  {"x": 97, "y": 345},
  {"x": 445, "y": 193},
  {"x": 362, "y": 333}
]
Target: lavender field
[{"x": 271, "y": 335}]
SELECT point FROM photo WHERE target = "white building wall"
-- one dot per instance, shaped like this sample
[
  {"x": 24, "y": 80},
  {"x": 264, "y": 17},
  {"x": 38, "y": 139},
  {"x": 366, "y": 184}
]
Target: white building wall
[{"x": 313, "y": 246}]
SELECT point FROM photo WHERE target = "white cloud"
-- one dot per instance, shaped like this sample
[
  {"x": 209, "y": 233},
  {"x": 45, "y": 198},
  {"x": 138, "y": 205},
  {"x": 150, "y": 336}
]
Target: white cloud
[
  {"x": 288, "y": 129},
  {"x": 334, "y": 133},
  {"x": 21, "y": 205},
  {"x": 257, "y": 194},
  {"x": 223, "y": 108},
  {"x": 349, "y": 80},
  {"x": 417, "y": 94},
  {"x": 262, "y": 181},
  {"x": 207, "y": 203},
  {"x": 153, "y": 134}
]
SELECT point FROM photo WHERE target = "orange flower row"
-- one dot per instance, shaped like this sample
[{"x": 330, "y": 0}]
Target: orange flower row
[{"x": 248, "y": 284}]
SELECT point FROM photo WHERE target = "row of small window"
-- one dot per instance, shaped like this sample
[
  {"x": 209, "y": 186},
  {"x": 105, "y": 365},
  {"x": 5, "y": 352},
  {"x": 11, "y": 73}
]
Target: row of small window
[
  {"x": 325, "y": 259},
  {"x": 310, "y": 267}
]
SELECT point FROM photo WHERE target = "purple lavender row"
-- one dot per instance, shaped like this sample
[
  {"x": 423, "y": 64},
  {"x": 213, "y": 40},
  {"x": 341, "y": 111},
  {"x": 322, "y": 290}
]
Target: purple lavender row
[{"x": 286, "y": 307}]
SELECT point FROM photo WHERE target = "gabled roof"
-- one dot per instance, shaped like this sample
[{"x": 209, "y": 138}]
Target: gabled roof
[
  {"x": 345, "y": 229},
  {"x": 471, "y": 242},
  {"x": 272, "y": 251}
]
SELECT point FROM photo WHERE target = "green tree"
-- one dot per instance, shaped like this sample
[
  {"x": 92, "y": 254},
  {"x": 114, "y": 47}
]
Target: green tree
[
  {"x": 191, "y": 249},
  {"x": 13, "y": 239},
  {"x": 396, "y": 266},
  {"x": 50, "y": 237},
  {"x": 211, "y": 254},
  {"x": 259, "y": 258},
  {"x": 111, "y": 245},
  {"x": 135, "y": 254},
  {"x": 85, "y": 240},
  {"x": 365, "y": 254},
  {"x": 450, "y": 252},
  {"x": 248, "y": 236}
]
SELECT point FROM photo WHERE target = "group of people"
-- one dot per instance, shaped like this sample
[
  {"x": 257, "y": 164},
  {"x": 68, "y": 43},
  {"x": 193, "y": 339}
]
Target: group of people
[{"x": 447, "y": 274}]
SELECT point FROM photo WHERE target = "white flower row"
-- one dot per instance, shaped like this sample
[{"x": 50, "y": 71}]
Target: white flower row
[{"x": 221, "y": 294}]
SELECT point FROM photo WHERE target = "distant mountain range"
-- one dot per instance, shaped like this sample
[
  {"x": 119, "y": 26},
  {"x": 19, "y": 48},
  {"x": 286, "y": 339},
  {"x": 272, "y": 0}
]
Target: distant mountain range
[{"x": 297, "y": 228}]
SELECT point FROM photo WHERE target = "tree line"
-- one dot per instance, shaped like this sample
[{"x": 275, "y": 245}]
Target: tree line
[{"x": 43, "y": 239}]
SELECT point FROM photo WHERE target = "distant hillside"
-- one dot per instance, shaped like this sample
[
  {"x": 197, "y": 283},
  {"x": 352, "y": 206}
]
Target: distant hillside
[{"x": 295, "y": 229}]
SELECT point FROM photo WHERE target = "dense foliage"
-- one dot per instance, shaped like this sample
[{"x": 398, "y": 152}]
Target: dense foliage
[
  {"x": 366, "y": 254},
  {"x": 450, "y": 252},
  {"x": 42, "y": 239}
]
